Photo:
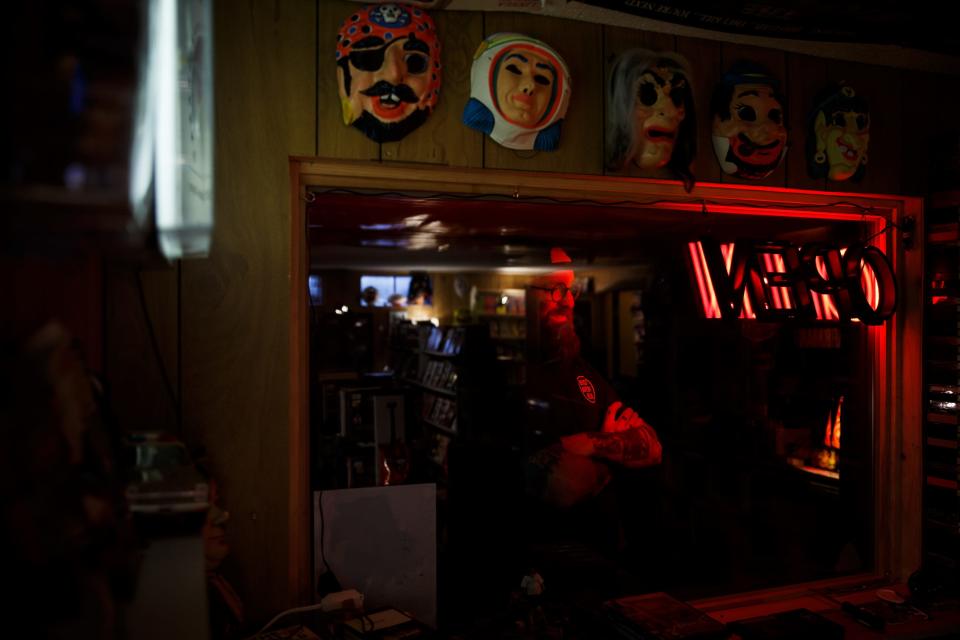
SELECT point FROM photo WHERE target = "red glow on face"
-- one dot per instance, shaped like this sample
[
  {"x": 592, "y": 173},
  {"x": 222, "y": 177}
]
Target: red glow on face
[{"x": 824, "y": 305}]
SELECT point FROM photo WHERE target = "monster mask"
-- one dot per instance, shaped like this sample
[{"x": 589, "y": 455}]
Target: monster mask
[
  {"x": 838, "y": 133},
  {"x": 519, "y": 92},
  {"x": 388, "y": 70},
  {"x": 650, "y": 113},
  {"x": 749, "y": 122}
]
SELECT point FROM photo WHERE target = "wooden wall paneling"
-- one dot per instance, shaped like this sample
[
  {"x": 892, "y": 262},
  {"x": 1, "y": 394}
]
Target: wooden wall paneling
[
  {"x": 775, "y": 62},
  {"x": 706, "y": 66},
  {"x": 443, "y": 138},
  {"x": 616, "y": 40},
  {"x": 581, "y": 142},
  {"x": 946, "y": 128},
  {"x": 135, "y": 369},
  {"x": 656, "y": 41},
  {"x": 948, "y": 100},
  {"x": 881, "y": 87},
  {"x": 806, "y": 76},
  {"x": 236, "y": 303},
  {"x": 918, "y": 97},
  {"x": 333, "y": 138}
]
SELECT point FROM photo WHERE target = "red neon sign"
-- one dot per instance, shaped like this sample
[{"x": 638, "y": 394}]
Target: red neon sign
[{"x": 780, "y": 281}]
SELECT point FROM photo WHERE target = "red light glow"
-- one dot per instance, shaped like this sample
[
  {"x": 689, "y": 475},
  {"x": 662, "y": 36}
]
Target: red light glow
[{"x": 831, "y": 438}]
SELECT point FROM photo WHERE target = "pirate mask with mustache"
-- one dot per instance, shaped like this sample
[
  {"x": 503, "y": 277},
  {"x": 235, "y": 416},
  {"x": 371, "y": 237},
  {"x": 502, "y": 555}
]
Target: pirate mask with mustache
[{"x": 388, "y": 70}]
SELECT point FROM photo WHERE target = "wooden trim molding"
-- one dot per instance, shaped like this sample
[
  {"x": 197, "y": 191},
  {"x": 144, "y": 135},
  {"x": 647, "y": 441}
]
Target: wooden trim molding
[
  {"x": 300, "y": 566},
  {"x": 895, "y": 345}
]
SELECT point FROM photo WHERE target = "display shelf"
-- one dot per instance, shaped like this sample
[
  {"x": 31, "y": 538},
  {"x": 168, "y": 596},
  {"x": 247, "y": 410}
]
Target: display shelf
[
  {"x": 948, "y": 233},
  {"x": 942, "y": 418},
  {"x": 945, "y": 199},
  {"x": 942, "y": 483},
  {"x": 447, "y": 392},
  {"x": 439, "y": 427},
  {"x": 440, "y": 354},
  {"x": 942, "y": 377},
  {"x": 941, "y": 443}
]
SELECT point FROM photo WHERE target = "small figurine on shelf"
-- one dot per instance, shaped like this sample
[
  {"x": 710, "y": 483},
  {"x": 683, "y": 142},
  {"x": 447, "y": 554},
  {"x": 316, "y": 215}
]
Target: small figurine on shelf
[{"x": 531, "y": 588}]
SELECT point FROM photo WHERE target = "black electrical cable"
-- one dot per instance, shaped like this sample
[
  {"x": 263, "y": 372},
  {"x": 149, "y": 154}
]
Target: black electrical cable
[{"x": 155, "y": 346}]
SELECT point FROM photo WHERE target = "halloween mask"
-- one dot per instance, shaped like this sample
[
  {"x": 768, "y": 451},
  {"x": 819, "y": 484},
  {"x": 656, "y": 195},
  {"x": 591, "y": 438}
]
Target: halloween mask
[
  {"x": 838, "y": 133},
  {"x": 650, "y": 114},
  {"x": 749, "y": 122},
  {"x": 388, "y": 70},
  {"x": 422, "y": 4},
  {"x": 519, "y": 92}
]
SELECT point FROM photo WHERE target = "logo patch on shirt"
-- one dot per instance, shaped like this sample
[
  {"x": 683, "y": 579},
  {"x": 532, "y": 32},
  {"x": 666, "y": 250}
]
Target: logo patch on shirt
[{"x": 587, "y": 389}]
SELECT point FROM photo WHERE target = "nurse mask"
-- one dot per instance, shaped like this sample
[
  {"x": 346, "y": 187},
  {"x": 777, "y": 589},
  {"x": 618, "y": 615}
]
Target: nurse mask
[
  {"x": 519, "y": 92},
  {"x": 388, "y": 70},
  {"x": 651, "y": 120},
  {"x": 838, "y": 133},
  {"x": 749, "y": 122}
]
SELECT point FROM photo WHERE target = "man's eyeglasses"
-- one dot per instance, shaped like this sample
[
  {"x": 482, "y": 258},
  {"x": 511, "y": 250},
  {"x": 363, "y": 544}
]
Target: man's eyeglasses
[{"x": 559, "y": 291}]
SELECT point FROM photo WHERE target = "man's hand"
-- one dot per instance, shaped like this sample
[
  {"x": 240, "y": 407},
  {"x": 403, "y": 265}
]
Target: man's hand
[{"x": 628, "y": 419}]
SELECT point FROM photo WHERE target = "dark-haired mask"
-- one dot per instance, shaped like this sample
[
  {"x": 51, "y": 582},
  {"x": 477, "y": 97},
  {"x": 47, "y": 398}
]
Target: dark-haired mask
[{"x": 658, "y": 111}]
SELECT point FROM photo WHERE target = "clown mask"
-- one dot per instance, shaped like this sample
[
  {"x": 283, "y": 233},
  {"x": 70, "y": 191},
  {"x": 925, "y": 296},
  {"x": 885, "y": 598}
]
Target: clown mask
[
  {"x": 519, "y": 92},
  {"x": 650, "y": 113},
  {"x": 838, "y": 135},
  {"x": 388, "y": 70},
  {"x": 749, "y": 124}
]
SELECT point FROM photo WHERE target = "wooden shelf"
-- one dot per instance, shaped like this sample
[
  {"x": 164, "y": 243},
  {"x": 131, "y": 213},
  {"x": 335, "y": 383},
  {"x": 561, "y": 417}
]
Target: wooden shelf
[
  {"x": 948, "y": 233},
  {"x": 946, "y": 526},
  {"x": 942, "y": 443},
  {"x": 942, "y": 483},
  {"x": 944, "y": 365},
  {"x": 944, "y": 199},
  {"x": 417, "y": 383},
  {"x": 440, "y": 354},
  {"x": 446, "y": 392},
  {"x": 439, "y": 427},
  {"x": 941, "y": 418}
]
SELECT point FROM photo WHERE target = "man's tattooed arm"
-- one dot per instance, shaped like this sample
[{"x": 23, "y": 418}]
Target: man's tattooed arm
[
  {"x": 561, "y": 478},
  {"x": 637, "y": 447}
]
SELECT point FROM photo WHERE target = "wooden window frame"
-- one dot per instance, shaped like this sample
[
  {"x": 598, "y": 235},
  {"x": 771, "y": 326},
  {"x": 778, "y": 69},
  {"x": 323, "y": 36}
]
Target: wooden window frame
[{"x": 896, "y": 345}]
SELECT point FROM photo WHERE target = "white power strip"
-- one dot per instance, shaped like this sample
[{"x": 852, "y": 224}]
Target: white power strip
[{"x": 346, "y": 599}]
